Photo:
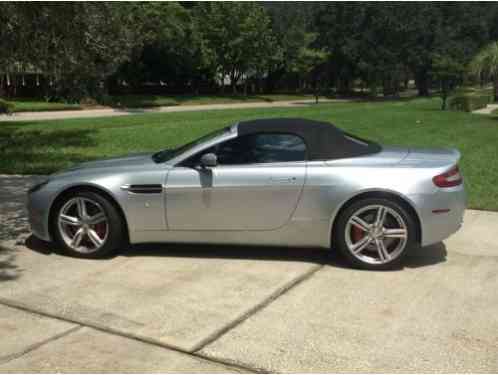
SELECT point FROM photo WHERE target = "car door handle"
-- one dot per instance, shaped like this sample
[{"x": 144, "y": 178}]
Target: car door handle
[{"x": 282, "y": 180}]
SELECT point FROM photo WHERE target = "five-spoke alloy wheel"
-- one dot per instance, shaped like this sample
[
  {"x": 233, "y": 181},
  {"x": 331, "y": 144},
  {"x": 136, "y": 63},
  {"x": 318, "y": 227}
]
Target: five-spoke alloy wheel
[
  {"x": 87, "y": 225},
  {"x": 375, "y": 233},
  {"x": 83, "y": 225}
]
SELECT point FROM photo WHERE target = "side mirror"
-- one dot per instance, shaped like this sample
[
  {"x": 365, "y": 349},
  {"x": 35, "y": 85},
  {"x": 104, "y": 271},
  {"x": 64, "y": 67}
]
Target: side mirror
[{"x": 209, "y": 160}]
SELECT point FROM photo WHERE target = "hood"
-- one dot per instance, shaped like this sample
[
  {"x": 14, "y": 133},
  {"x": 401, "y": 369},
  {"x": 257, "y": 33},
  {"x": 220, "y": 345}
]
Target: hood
[{"x": 119, "y": 162}]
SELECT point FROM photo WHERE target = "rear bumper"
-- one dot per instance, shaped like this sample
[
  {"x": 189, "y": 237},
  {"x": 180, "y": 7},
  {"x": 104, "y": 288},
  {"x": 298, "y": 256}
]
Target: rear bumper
[{"x": 441, "y": 213}]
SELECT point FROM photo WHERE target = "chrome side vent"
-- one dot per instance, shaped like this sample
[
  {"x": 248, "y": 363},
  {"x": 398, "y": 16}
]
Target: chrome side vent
[{"x": 143, "y": 189}]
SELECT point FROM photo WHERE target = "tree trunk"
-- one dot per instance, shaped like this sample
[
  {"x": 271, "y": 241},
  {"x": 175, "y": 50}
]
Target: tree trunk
[
  {"x": 445, "y": 89},
  {"x": 344, "y": 86},
  {"x": 14, "y": 87},
  {"x": 496, "y": 89},
  {"x": 372, "y": 88},
  {"x": 422, "y": 82},
  {"x": 386, "y": 88},
  {"x": 233, "y": 81},
  {"x": 444, "y": 95},
  {"x": 316, "y": 91},
  {"x": 222, "y": 82}
]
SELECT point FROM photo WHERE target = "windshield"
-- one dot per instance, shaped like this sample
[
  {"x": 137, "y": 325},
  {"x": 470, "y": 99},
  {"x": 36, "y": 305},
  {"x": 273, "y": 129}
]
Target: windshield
[{"x": 165, "y": 155}]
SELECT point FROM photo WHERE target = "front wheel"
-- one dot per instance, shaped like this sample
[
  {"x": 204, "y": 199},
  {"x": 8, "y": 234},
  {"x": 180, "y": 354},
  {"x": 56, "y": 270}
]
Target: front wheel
[
  {"x": 87, "y": 225},
  {"x": 375, "y": 233}
]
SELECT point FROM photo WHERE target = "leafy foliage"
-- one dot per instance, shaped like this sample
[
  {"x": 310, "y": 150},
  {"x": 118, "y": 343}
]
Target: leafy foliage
[
  {"x": 76, "y": 45},
  {"x": 6, "y": 107},
  {"x": 91, "y": 48},
  {"x": 469, "y": 102},
  {"x": 239, "y": 35},
  {"x": 485, "y": 65},
  {"x": 449, "y": 73}
]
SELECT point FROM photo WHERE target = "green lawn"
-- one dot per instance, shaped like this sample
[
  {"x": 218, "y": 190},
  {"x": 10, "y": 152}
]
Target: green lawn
[
  {"x": 37, "y": 105},
  {"x": 144, "y": 101},
  {"x": 44, "y": 147}
]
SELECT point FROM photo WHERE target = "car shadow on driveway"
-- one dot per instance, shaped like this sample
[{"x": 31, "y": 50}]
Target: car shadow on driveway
[
  {"x": 8, "y": 269},
  {"x": 421, "y": 257}
]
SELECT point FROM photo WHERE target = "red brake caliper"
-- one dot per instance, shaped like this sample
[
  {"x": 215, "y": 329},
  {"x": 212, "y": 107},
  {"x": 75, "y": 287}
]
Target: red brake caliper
[
  {"x": 101, "y": 229},
  {"x": 357, "y": 234}
]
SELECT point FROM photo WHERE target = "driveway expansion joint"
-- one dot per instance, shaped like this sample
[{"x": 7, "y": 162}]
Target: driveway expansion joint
[
  {"x": 256, "y": 308},
  {"x": 101, "y": 328},
  {"x": 235, "y": 363},
  {"x": 37, "y": 345}
]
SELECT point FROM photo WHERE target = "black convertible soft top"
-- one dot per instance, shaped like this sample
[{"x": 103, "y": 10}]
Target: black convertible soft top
[{"x": 323, "y": 140}]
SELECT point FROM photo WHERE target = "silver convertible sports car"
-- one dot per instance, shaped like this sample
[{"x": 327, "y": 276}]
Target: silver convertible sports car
[{"x": 284, "y": 182}]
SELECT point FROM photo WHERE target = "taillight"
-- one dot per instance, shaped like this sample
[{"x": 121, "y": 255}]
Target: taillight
[{"x": 448, "y": 179}]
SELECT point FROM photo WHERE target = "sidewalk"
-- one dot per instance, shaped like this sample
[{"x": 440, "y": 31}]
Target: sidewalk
[
  {"x": 110, "y": 112},
  {"x": 487, "y": 110}
]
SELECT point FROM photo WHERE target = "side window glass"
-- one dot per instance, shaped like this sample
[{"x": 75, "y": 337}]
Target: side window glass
[
  {"x": 257, "y": 148},
  {"x": 236, "y": 151},
  {"x": 272, "y": 148}
]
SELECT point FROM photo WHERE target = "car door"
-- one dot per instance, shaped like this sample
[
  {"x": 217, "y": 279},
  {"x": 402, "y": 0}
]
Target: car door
[
  {"x": 143, "y": 196},
  {"x": 255, "y": 186}
]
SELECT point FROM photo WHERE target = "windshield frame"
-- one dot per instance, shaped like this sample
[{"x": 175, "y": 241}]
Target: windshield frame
[{"x": 166, "y": 155}]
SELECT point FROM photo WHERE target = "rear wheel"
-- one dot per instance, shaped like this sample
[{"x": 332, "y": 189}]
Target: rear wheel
[
  {"x": 375, "y": 233},
  {"x": 87, "y": 225}
]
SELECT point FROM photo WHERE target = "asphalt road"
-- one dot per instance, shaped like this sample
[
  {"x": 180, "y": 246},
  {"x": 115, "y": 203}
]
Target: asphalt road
[{"x": 180, "y": 308}]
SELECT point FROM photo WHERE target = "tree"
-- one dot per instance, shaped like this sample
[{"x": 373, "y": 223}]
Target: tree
[
  {"x": 339, "y": 28},
  {"x": 14, "y": 45},
  {"x": 485, "y": 64},
  {"x": 81, "y": 48},
  {"x": 380, "y": 48},
  {"x": 309, "y": 63},
  {"x": 75, "y": 45},
  {"x": 292, "y": 27},
  {"x": 448, "y": 72},
  {"x": 172, "y": 50},
  {"x": 238, "y": 34}
]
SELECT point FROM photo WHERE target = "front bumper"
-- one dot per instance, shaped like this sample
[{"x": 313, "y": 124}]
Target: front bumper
[
  {"x": 38, "y": 214},
  {"x": 441, "y": 213}
]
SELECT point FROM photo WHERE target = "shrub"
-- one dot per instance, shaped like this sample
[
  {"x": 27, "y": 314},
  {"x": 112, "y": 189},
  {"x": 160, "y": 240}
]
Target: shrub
[
  {"x": 469, "y": 102},
  {"x": 88, "y": 101},
  {"x": 6, "y": 107}
]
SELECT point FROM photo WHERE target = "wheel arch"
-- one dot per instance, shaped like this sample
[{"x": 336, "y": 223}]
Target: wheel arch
[
  {"x": 404, "y": 201},
  {"x": 89, "y": 188}
]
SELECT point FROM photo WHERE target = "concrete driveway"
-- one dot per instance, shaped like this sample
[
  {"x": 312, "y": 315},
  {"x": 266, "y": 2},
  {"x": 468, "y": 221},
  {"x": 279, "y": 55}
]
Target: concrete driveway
[{"x": 180, "y": 308}]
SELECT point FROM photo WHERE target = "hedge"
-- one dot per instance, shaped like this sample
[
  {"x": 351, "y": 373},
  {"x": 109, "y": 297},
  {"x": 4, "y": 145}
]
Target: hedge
[
  {"x": 6, "y": 107},
  {"x": 469, "y": 102}
]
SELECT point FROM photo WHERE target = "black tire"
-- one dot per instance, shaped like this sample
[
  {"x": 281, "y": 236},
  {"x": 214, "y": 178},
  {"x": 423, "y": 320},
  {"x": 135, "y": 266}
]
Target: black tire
[
  {"x": 339, "y": 235},
  {"x": 116, "y": 236}
]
